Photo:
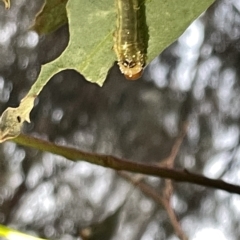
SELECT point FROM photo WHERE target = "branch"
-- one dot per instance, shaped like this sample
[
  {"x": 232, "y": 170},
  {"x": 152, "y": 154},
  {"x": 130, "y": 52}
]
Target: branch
[
  {"x": 122, "y": 164},
  {"x": 152, "y": 193}
]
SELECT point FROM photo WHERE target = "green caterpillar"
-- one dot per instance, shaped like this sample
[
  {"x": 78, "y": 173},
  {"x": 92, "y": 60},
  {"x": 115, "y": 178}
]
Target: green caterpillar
[{"x": 129, "y": 38}]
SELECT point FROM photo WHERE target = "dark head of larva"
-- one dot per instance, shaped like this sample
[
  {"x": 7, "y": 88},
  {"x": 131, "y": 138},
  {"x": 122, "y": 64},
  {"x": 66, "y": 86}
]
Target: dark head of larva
[{"x": 132, "y": 70}]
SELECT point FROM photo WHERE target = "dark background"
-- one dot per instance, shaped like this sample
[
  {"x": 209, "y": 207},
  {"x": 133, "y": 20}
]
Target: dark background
[{"x": 196, "y": 80}]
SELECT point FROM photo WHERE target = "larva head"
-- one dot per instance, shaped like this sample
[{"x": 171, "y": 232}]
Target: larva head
[{"x": 132, "y": 70}]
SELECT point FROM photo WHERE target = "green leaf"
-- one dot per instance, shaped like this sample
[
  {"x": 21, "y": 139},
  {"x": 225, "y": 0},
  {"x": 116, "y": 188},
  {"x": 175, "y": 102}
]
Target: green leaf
[
  {"x": 167, "y": 20},
  {"x": 91, "y": 25}
]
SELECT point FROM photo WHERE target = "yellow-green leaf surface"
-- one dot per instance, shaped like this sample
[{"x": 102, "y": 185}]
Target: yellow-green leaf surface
[
  {"x": 11, "y": 234},
  {"x": 89, "y": 51},
  {"x": 52, "y": 16}
]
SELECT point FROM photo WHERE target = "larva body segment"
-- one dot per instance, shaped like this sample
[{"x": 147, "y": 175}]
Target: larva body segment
[{"x": 129, "y": 39}]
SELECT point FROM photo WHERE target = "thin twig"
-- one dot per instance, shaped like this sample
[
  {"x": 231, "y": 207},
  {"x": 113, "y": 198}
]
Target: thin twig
[
  {"x": 168, "y": 189},
  {"x": 122, "y": 164},
  {"x": 169, "y": 161}
]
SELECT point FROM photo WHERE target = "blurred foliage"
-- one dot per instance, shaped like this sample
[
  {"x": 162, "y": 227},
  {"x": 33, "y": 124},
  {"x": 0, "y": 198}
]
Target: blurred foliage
[{"x": 52, "y": 16}]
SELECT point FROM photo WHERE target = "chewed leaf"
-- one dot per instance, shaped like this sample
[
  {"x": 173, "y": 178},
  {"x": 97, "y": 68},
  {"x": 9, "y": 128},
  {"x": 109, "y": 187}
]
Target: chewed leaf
[
  {"x": 7, "y": 3},
  {"x": 12, "y": 119},
  {"x": 90, "y": 49},
  {"x": 91, "y": 26}
]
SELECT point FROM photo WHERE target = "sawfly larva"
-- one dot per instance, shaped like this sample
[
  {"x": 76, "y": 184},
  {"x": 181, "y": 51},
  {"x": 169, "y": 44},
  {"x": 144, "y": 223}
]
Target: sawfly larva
[{"x": 129, "y": 37}]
